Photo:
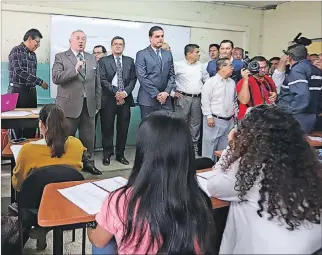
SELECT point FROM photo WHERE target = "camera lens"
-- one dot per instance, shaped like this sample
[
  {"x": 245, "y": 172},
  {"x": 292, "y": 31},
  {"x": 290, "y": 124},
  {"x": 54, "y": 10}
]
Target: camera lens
[{"x": 253, "y": 67}]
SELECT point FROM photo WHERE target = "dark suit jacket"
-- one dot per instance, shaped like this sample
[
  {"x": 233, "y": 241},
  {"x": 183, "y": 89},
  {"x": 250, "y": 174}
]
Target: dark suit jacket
[
  {"x": 153, "y": 77},
  {"x": 107, "y": 67}
]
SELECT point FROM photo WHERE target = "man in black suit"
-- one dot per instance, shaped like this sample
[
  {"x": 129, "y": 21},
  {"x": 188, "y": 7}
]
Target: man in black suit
[{"x": 118, "y": 79}]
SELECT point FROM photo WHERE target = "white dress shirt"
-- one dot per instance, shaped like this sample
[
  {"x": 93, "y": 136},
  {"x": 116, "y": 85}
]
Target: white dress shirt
[
  {"x": 114, "y": 81},
  {"x": 155, "y": 51},
  {"x": 218, "y": 97},
  {"x": 189, "y": 77},
  {"x": 246, "y": 232}
]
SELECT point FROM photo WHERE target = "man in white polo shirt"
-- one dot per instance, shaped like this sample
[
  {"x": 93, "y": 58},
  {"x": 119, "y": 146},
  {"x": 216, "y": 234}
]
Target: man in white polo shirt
[{"x": 189, "y": 79}]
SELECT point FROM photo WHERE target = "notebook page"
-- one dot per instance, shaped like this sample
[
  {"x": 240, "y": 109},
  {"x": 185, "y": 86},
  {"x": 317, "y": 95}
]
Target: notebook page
[
  {"x": 35, "y": 111},
  {"x": 86, "y": 196},
  {"x": 315, "y": 138},
  {"x": 112, "y": 184},
  {"x": 15, "y": 114},
  {"x": 15, "y": 150}
]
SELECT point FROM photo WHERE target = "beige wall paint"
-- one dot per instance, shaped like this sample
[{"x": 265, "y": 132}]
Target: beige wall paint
[
  {"x": 284, "y": 23},
  {"x": 268, "y": 32},
  {"x": 197, "y": 15}
]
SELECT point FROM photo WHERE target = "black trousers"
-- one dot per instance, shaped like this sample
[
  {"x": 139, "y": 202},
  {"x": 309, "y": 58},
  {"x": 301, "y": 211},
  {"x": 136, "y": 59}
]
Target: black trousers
[
  {"x": 123, "y": 115},
  {"x": 27, "y": 99}
]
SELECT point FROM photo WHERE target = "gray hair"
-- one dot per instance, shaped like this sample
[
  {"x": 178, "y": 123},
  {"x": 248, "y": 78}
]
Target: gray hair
[{"x": 76, "y": 31}]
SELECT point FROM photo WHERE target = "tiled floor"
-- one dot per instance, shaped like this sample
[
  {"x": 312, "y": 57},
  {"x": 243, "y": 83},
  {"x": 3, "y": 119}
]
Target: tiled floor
[{"x": 114, "y": 169}]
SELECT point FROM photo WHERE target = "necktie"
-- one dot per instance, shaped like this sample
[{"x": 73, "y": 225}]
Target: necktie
[
  {"x": 119, "y": 72},
  {"x": 159, "y": 57},
  {"x": 83, "y": 70}
]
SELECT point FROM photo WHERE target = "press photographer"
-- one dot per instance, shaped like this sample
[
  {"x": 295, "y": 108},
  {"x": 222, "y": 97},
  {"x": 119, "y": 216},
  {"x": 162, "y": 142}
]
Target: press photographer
[{"x": 255, "y": 87}]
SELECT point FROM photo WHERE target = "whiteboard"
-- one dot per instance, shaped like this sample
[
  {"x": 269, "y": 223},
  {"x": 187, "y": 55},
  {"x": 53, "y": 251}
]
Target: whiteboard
[{"x": 101, "y": 32}]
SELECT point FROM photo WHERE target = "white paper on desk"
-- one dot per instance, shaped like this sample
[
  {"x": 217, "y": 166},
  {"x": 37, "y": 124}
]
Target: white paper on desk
[
  {"x": 112, "y": 184},
  {"x": 15, "y": 150},
  {"x": 35, "y": 111},
  {"x": 86, "y": 196},
  {"x": 15, "y": 114},
  {"x": 206, "y": 175},
  {"x": 203, "y": 184},
  {"x": 315, "y": 138}
]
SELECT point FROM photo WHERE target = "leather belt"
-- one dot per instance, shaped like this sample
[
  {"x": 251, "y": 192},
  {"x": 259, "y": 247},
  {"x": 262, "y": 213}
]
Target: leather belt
[
  {"x": 190, "y": 95},
  {"x": 222, "y": 118}
]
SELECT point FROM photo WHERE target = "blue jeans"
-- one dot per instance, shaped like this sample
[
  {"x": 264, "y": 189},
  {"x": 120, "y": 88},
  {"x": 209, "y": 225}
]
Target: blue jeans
[{"x": 109, "y": 249}]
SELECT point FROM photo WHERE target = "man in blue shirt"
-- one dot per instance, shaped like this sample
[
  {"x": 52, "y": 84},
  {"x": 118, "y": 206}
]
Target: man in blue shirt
[{"x": 225, "y": 51}]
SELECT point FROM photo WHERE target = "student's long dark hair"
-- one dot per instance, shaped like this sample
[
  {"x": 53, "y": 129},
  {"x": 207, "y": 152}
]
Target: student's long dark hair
[
  {"x": 271, "y": 146},
  {"x": 162, "y": 195},
  {"x": 52, "y": 116}
]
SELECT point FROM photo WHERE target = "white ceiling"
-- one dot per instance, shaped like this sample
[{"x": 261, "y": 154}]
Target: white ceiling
[{"x": 250, "y": 4}]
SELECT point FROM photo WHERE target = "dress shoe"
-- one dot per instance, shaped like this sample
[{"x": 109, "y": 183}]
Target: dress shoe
[
  {"x": 88, "y": 166},
  {"x": 122, "y": 160},
  {"x": 106, "y": 161}
]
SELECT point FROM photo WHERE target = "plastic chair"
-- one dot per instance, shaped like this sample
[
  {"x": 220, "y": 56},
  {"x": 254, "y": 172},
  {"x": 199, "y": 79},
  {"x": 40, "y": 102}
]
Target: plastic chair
[{"x": 32, "y": 189}]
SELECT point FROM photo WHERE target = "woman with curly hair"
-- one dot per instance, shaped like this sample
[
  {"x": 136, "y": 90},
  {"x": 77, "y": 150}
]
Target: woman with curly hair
[{"x": 274, "y": 180}]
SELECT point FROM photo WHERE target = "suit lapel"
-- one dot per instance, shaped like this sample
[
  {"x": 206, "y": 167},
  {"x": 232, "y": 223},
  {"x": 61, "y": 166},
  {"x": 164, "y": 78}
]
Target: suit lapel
[
  {"x": 163, "y": 57},
  {"x": 112, "y": 63},
  {"x": 124, "y": 67},
  {"x": 154, "y": 56},
  {"x": 87, "y": 64},
  {"x": 71, "y": 56}
]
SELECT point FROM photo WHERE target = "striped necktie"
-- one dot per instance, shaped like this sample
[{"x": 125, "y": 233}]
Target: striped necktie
[{"x": 83, "y": 68}]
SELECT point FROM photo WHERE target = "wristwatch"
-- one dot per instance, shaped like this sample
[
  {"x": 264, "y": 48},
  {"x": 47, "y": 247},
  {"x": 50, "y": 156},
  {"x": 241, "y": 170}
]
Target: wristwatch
[{"x": 92, "y": 224}]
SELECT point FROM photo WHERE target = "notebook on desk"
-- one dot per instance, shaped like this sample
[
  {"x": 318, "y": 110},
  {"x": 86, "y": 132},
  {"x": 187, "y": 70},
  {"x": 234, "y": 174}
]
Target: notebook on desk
[
  {"x": 90, "y": 196},
  {"x": 9, "y": 102}
]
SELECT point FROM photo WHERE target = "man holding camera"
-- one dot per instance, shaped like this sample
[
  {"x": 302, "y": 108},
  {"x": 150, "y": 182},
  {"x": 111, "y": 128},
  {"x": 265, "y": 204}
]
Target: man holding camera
[{"x": 256, "y": 87}]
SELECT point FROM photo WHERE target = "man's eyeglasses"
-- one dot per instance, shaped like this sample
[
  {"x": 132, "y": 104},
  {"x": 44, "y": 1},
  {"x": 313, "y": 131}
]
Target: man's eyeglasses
[{"x": 96, "y": 53}]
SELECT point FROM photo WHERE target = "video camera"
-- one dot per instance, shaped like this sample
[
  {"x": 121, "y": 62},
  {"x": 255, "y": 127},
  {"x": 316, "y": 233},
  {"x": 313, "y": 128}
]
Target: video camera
[
  {"x": 252, "y": 66},
  {"x": 298, "y": 40}
]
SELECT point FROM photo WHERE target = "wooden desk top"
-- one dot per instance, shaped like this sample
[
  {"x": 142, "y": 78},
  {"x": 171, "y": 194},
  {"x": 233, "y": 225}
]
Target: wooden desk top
[
  {"x": 7, "y": 153},
  {"x": 316, "y": 133},
  {"x": 314, "y": 143},
  {"x": 30, "y": 116},
  {"x": 56, "y": 210}
]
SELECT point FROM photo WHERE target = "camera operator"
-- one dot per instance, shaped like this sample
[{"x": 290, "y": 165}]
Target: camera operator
[
  {"x": 301, "y": 88},
  {"x": 256, "y": 87}
]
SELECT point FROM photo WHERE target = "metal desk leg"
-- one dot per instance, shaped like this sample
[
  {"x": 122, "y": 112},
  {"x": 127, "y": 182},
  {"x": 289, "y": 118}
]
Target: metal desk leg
[
  {"x": 13, "y": 192},
  {"x": 58, "y": 241}
]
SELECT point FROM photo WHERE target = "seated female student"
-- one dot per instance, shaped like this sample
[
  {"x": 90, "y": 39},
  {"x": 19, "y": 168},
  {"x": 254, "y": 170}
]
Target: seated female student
[
  {"x": 161, "y": 209},
  {"x": 274, "y": 180},
  {"x": 56, "y": 147}
]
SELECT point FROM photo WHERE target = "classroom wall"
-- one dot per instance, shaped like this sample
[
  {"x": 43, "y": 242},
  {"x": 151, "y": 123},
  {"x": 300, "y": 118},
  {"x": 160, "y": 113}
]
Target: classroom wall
[
  {"x": 267, "y": 32},
  {"x": 19, "y": 16},
  {"x": 283, "y": 24}
]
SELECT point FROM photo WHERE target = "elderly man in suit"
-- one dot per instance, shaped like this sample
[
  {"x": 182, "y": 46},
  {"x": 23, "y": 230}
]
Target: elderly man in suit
[
  {"x": 79, "y": 93},
  {"x": 155, "y": 72},
  {"x": 118, "y": 80}
]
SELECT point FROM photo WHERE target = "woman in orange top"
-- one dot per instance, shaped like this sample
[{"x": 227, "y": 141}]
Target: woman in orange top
[{"x": 55, "y": 149}]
